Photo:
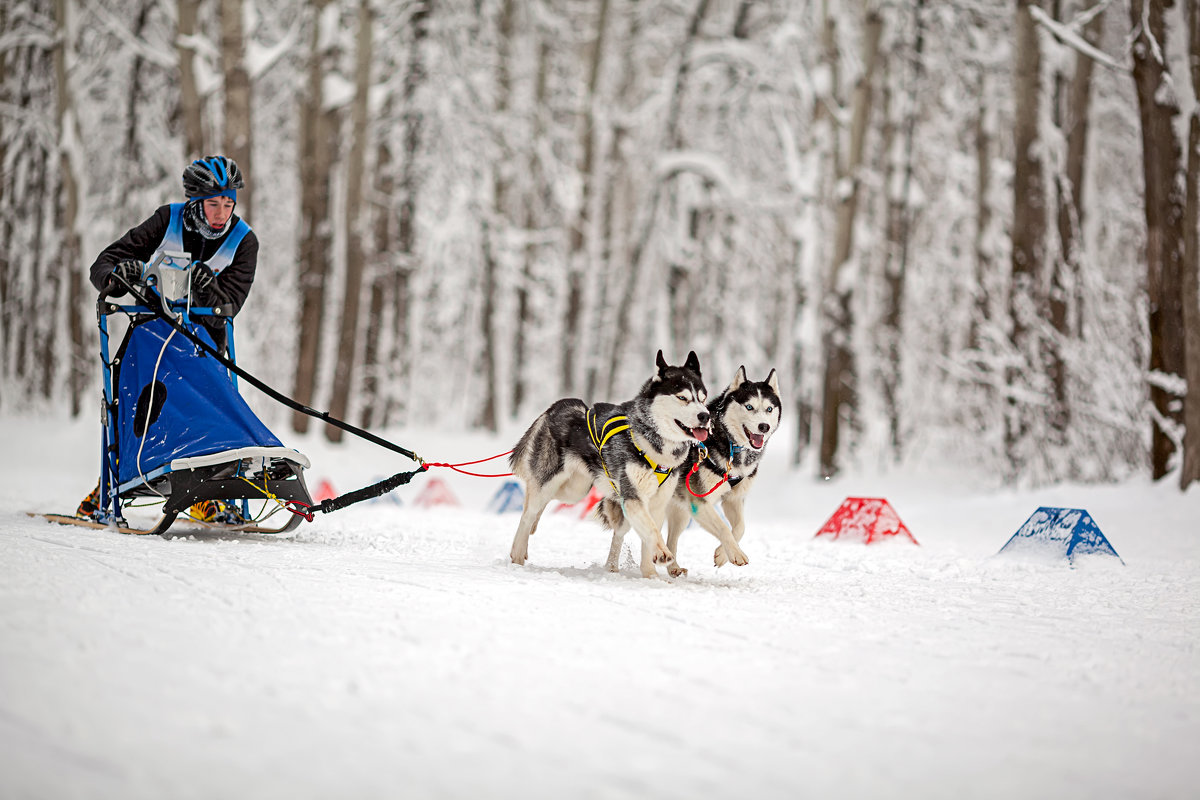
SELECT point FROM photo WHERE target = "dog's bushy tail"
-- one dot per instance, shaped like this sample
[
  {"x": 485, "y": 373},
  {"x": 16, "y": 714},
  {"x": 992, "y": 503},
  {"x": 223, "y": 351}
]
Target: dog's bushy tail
[
  {"x": 520, "y": 453},
  {"x": 539, "y": 450}
]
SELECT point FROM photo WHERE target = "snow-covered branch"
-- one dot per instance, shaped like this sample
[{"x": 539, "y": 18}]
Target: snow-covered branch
[
  {"x": 260, "y": 58},
  {"x": 120, "y": 30},
  {"x": 1070, "y": 37},
  {"x": 706, "y": 165}
]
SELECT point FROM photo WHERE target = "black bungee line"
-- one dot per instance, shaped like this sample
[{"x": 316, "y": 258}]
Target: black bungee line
[{"x": 325, "y": 506}]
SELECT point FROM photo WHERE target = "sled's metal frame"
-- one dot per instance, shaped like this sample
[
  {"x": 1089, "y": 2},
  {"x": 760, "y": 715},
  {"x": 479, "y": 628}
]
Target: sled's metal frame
[{"x": 278, "y": 478}]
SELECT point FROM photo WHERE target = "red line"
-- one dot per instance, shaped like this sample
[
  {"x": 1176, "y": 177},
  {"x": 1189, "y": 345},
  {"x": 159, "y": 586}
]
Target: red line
[{"x": 455, "y": 467}]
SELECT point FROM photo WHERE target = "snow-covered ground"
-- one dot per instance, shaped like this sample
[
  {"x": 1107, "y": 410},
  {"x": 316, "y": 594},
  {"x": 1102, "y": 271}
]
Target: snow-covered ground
[{"x": 390, "y": 651}]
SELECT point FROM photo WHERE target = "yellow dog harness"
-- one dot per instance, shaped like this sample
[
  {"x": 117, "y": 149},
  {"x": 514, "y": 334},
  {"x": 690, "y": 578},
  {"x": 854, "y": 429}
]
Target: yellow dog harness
[{"x": 610, "y": 429}]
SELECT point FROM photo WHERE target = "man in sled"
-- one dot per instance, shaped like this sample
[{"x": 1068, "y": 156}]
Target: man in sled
[{"x": 225, "y": 250}]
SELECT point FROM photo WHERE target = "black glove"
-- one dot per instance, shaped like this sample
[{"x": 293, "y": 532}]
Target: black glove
[
  {"x": 128, "y": 273},
  {"x": 204, "y": 285}
]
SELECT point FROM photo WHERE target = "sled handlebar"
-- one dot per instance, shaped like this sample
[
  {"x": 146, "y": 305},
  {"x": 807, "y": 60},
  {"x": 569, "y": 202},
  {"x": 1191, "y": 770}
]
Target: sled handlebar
[{"x": 195, "y": 311}]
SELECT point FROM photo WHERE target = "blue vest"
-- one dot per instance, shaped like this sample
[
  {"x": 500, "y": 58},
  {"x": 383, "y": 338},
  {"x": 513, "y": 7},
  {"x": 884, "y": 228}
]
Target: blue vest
[{"x": 173, "y": 240}]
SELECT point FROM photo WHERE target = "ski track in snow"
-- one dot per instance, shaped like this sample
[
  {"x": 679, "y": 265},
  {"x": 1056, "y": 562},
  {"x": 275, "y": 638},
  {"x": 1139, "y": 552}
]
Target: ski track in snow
[{"x": 389, "y": 651}]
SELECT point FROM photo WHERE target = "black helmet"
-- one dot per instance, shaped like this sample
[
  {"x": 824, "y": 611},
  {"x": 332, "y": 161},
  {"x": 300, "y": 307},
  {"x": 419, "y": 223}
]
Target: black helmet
[{"x": 214, "y": 176}]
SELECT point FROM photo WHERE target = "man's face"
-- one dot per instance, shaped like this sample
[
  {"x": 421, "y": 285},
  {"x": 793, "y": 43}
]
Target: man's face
[{"x": 218, "y": 210}]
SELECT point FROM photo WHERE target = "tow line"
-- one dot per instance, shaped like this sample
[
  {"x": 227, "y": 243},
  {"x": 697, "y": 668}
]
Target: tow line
[{"x": 334, "y": 503}]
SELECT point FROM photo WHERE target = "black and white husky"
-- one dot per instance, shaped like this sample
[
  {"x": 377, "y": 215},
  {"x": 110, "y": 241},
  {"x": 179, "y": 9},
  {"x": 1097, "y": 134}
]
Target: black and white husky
[
  {"x": 743, "y": 418},
  {"x": 631, "y": 452}
]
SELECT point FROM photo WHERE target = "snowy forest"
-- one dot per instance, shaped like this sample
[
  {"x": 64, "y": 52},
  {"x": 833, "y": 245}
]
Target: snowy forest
[{"x": 960, "y": 231}]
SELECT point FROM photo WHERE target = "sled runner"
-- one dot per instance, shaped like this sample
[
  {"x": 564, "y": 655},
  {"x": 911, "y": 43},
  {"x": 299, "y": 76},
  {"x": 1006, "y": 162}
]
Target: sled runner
[
  {"x": 175, "y": 430},
  {"x": 159, "y": 527}
]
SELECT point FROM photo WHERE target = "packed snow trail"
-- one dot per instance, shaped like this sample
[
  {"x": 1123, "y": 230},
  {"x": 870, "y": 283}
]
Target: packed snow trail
[{"x": 393, "y": 651}]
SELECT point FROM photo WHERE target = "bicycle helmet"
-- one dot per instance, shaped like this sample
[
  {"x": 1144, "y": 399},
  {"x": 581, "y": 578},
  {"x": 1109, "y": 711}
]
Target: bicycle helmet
[{"x": 213, "y": 176}]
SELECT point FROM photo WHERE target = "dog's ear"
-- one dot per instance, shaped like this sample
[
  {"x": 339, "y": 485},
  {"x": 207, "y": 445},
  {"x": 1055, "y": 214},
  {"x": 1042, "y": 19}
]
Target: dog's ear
[
  {"x": 692, "y": 363},
  {"x": 738, "y": 379},
  {"x": 773, "y": 382},
  {"x": 660, "y": 362}
]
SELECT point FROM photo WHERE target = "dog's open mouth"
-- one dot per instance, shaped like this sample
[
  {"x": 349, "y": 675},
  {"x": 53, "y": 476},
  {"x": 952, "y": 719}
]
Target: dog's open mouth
[
  {"x": 756, "y": 439},
  {"x": 699, "y": 434}
]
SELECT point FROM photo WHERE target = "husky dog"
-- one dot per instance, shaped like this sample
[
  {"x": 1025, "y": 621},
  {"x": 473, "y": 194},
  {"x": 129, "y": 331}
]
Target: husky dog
[
  {"x": 743, "y": 418},
  {"x": 630, "y": 452}
]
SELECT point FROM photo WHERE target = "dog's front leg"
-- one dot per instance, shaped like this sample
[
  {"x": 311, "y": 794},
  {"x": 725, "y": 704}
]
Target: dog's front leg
[
  {"x": 654, "y": 550},
  {"x": 734, "y": 507},
  {"x": 707, "y": 517},
  {"x": 677, "y": 520}
]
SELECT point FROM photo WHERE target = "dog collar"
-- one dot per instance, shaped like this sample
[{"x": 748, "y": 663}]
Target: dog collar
[{"x": 733, "y": 481}]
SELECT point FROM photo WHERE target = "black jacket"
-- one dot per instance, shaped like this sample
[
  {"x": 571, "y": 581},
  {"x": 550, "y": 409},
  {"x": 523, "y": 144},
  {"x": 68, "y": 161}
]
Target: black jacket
[{"x": 230, "y": 287}]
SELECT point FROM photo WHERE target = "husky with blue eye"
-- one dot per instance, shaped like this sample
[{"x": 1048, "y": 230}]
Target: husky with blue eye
[
  {"x": 631, "y": 452},
  {"x": 743, "y": 417}
]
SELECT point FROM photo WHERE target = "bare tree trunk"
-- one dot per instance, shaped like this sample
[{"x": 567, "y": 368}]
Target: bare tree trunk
[
  {"x": 891, "y": 279},
  {"x": 615, "y": 188},
  {"x": 6, "y": 227},
  {"x": 577, "y": 242},
  {"x": 189, "y": 95},
  {"x": 238, "y": 109},
  {"x": 672, "y": 141},
  {"x": 899, "y": 224},
  {"x": 1080, "y": 104},
  {"x": 840, "y": 390},
  {"x": 316, "y": 163},
  {"x": 487, "y": 418},
  {"x": 135, "y": 86},
  {"x": 1164, "y": 223},
  {"x": 983, "y": 217},
  {"x": 826, "y": 141},
  {"x": 1025, "y": 303},
  {"x": 343, "y": 371},
  {"x": 1190, "y": 279},
  {"x": 614, "y": 205},
  {"x": 381, "y": 256},
  {"x": 1071, "y": 108},
  {"x": 406, "y": 233},
  {"x": 67, "y": 266},
  {"x": 1072, "y": 102},
  {"x": 493, "y": 231},
  {"x": 533, "y": 211},
  {"x": 24, "y": 207},
  {"x": 1190, "y": 285},
  {"x": 1059, "y": 272}
]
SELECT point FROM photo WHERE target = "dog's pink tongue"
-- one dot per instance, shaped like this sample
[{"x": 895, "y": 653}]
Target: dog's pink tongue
[
  {"x": 756, "y": 441},
  {"x": 700, "y": 433}
]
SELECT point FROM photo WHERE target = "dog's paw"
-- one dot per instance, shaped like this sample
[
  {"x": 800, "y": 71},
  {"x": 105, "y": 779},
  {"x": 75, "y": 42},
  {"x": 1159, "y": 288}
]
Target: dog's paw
[
  {"x": 518, "y": 557},
  {"x": 676, "y": 571},
  {"x": 739, "y": 558},
  {"x": 663, "y": 556}
]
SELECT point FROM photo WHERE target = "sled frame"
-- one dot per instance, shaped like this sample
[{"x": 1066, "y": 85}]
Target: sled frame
[{"x": 278, "y": 479}]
